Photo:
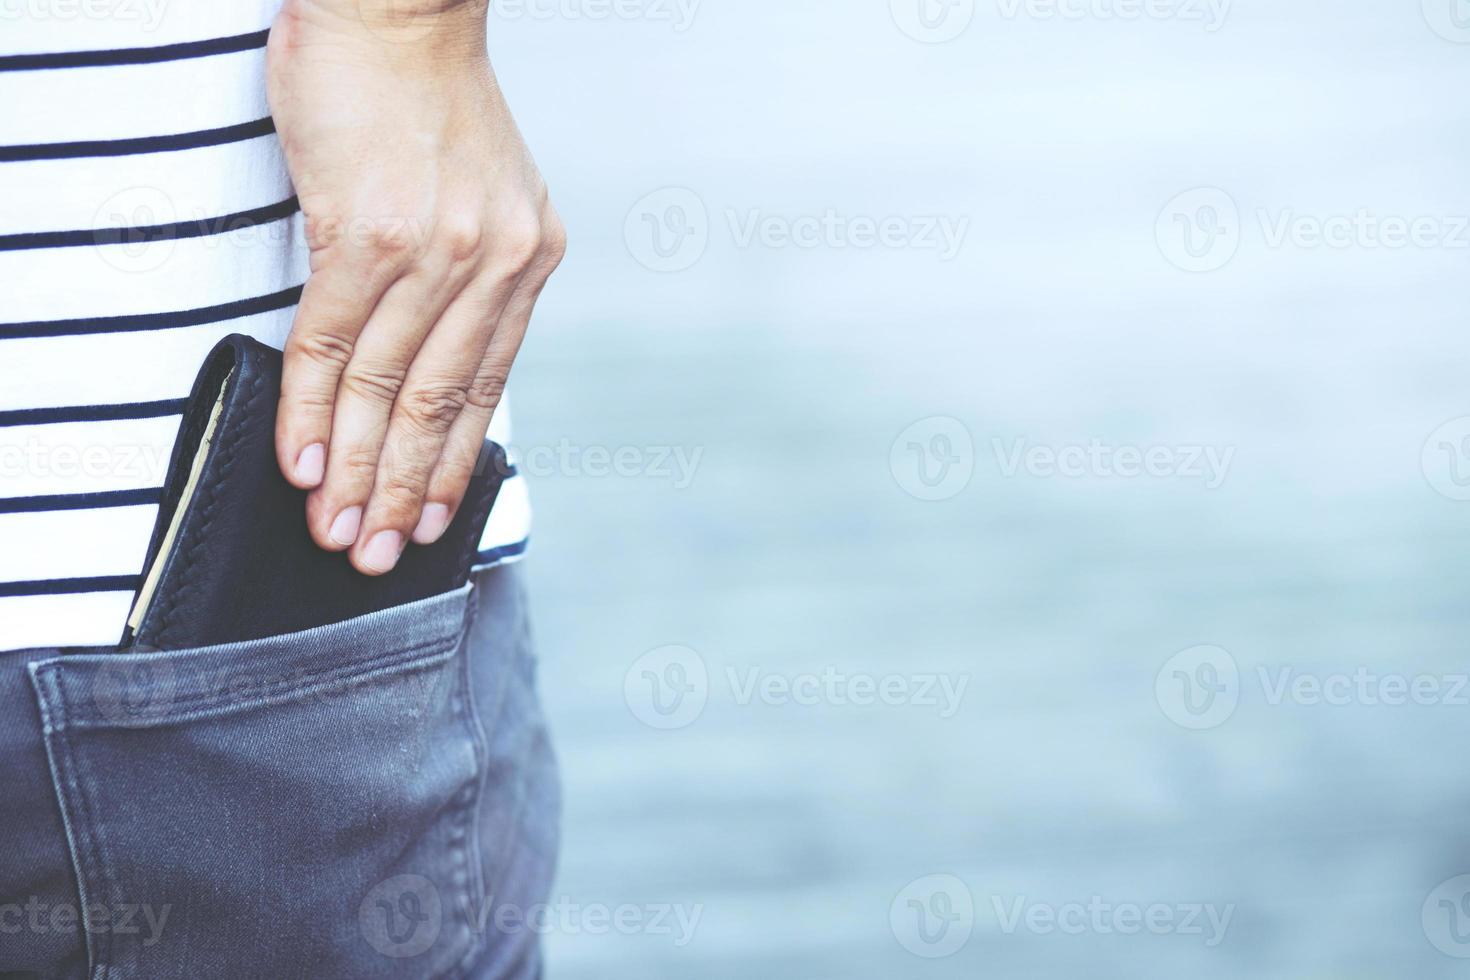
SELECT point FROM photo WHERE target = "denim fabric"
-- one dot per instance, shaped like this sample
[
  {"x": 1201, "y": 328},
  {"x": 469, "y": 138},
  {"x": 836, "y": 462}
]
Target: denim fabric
[{"x": 362, "y": 800}]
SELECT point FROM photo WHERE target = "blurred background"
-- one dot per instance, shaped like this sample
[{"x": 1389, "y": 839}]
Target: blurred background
[{"x": 1000, "y": 472}]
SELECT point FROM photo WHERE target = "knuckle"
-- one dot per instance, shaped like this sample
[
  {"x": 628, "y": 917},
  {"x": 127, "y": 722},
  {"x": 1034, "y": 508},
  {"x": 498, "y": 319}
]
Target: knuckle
[
  {"x": 554, "y": 241},
  {"x": 460, "y": 236},
  {"x": 375, "y": 383},
  {"x": 519, "y": 244},
  {"x": 487, "y": 389},
  {"x": 435, "y": 406},
  {"x": 400, "y": 496},
  {"x": 359, "y": 466},
  {"x": 388, "y": 241},
  {"x": 324, "y": 348}
]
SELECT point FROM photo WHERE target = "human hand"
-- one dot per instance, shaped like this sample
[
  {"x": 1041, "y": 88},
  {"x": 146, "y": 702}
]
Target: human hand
[{"x": 431, "y": 238}]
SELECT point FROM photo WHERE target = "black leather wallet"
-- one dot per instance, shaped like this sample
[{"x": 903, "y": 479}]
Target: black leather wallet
[{"x": 231, "y": 559}]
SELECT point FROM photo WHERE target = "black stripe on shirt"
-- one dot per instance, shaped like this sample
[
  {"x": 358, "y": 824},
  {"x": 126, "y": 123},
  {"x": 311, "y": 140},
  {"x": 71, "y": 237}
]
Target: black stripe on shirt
[
  {"x": 153, "y": 321},
  {"x": 143, "y": 144},
  {"x": 80, "y": 501},
  {"x": 93, "y": 413},
  {"x": 492, "y": 555},
  {"x": 148, "y": 234},
  {"x": 134, "y": 56},
  {"x": 72, "y": 586}
]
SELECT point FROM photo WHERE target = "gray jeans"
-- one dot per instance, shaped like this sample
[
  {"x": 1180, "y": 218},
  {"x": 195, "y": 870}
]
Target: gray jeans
[{"x": 372, "y": 799}]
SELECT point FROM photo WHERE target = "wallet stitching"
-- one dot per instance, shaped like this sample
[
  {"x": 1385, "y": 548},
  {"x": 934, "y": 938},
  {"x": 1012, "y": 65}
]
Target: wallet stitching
[
  {"x": 212, "y": 493},
  {"x": 200, "y": 536}
]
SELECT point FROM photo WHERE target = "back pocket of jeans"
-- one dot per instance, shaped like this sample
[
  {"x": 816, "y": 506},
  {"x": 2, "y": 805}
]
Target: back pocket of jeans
[{"x": 297, "y": 806}]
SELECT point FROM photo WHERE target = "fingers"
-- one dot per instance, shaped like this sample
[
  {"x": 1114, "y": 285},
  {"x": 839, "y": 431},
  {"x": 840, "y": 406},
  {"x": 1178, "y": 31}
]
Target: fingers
[
  {"x": 448, "y": 379},
  {"x": 434, "y": 394},
  {"x": 366, "y": 391},
  {"x": 451, "y": 477},
  {"x": 335, "y": 305},
  {"x": 393, "y": 370}
]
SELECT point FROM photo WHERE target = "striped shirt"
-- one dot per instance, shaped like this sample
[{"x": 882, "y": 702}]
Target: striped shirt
[{"x": 145, "y": 212}]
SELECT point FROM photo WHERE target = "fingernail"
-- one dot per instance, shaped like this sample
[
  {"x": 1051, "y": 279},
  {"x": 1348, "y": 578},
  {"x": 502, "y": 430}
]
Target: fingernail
[
  {"x": 311, "y": 465},
  {"x": 432, "y": 523},
  {"x": 344, "y": 528},
  {"x": 382, "y": 551}
]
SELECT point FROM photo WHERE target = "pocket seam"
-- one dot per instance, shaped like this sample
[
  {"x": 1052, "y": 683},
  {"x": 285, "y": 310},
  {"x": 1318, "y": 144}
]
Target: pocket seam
[{"x": 199, "y": 707}]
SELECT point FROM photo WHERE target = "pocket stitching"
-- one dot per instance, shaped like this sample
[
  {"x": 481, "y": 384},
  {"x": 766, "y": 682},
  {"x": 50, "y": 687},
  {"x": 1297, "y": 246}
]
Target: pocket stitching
[{"x": 214, "y": 704}]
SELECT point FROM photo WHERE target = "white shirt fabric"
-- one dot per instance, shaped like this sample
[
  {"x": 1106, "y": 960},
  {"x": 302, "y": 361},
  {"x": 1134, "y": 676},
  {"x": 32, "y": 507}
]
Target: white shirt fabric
[{"x": 119, "y": 115}]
